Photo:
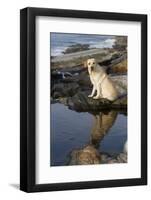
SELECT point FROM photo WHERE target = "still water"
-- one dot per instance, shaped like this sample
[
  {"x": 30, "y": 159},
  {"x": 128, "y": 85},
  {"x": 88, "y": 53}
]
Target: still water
[{"x": 72, "y": 130}]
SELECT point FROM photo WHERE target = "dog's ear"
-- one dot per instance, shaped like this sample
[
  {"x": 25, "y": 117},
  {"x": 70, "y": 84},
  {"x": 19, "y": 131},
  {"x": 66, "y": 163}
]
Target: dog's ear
[{"x": 85, "y": 64}]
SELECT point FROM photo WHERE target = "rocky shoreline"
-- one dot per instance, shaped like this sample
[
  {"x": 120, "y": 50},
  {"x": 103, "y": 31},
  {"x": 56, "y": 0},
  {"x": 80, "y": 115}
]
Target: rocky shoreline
[
  {"x": 70, "y": 85},
  {"x": 70, "y": 82},
  {"x": 73, "y": 92}
]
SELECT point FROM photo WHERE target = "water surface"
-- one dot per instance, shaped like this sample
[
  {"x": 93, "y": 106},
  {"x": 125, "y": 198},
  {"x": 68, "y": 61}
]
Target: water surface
[
  {"x": 72, "y": 130},
  {"x": 60, "y": 41}
]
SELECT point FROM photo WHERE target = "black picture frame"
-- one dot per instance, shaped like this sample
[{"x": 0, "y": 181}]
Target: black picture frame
[{"x": 28, "y": 98}]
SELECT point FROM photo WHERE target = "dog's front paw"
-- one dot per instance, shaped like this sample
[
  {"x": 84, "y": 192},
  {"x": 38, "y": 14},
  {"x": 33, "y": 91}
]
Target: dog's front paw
[
  {"x": 90, "y": 95},
  {"x": 96, "y": 97}
]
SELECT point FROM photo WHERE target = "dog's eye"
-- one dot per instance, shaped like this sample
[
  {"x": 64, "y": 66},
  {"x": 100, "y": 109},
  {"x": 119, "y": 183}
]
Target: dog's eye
[
  {"x": 89, "y": 63},
  {"x": 93, "y": 63}
]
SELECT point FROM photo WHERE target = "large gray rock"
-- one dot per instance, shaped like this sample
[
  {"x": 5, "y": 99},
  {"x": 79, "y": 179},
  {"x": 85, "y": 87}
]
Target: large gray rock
[
  {"x": 77, "y": 58},
  {"x": 77, "y": 90},
  {"x": 121, "y": 83},
  {"x": 81, "y": 102}
]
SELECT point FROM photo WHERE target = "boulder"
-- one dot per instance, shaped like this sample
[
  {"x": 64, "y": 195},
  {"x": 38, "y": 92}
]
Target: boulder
[
  {"x": 64, "y": 90},
  {"x": 87, "y": 155},
  {"x": 119, "y": 68},
  {"x": 81, "y": 102}
]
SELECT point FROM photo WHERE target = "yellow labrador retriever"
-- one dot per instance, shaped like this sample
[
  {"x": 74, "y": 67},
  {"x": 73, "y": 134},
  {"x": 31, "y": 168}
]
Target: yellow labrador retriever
[{"x": 101, "y": 82}]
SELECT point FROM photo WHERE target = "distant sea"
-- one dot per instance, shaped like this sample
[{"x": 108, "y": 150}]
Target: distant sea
[{"x": 60, "y": 41}]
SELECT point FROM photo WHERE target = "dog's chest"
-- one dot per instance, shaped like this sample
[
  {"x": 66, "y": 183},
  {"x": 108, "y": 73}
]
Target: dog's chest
[{"x": 95, "y": 76}]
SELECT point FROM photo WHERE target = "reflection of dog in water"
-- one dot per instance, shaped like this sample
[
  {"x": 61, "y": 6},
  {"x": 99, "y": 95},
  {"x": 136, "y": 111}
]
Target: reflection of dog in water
[
  {"x": 89, "y": 153},
  {"x": 102, "y": 123},
  {"x": 102, "y": 84}
]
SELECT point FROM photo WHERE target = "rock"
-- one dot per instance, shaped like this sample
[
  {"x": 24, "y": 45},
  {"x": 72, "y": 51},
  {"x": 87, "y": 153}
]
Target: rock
[
  {"x": 119, "y": 68},
  {"x": 76, "y": 48},
  {"x": 112, "y": 161},
  {"x": 75, "y": 59},
  {"x": 54, "y": 100},
  {"x": 56, "y": 95},
  {"x": 63, "y": 100},
  {"x": 81, "y": 102},
  {"x": 90, "y": 155},
  {"x": 120, "y": 102},
  {"x": 85, "y": 156},
  {"x": 73, "y": 70},
  {"x": 120, "y": 43},
  {"x": 113, "y": 158},
  {"x": 64, "y": 90},
  {"x": 120, "y": 81},
  {"x": 105, "y": 158},
  {"x": 58, "y": 87},
  {"x": 122, "y": 158},
  {"x": 78, "y": 89},
  {"x": 69, "y": 80}
]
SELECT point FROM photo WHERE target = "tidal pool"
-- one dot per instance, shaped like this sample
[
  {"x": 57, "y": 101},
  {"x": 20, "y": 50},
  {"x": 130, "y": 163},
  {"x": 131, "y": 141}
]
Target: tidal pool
[{"x": 71, "y": 130}]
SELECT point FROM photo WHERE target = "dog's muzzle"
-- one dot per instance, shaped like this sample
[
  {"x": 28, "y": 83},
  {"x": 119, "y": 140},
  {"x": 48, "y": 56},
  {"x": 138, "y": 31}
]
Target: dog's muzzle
[{"x": 92, "y": 68}]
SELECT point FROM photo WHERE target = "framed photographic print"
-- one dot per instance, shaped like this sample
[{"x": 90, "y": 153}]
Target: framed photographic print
[{"x": 83, "y": 99}]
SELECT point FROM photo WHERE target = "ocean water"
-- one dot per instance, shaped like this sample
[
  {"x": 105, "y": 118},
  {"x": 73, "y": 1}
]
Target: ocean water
[
  {"x": 60, "y": 41},
  {"x": 71, "y": 130}
]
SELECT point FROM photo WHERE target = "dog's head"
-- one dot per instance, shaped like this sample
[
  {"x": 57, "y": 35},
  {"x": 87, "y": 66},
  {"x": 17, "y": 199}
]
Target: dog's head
[{"x": 90, "y": 64}]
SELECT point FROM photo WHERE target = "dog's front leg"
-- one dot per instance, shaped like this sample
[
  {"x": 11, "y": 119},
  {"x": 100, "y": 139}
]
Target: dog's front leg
[
  {"x": 93, "y": 91},
  {"x": 98, "y": 96}
]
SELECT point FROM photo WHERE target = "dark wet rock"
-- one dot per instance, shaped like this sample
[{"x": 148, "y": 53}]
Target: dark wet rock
[
  {"x": 69, "y": 80},
  {"x": 73, "y": 70},
  {"x": 84, "y": 80},
  {"x": 63, "y": 100},
  {"x": 81, "y": 102},
  {"x": 77, "y": 89},
  {"x": 56, "y": 95},
  {"x": 57, "y": 87},
  {"x": 64, "y": 90},
  {"x": 121, "y": 102},
  {"x": 54, "y": 100},
  {"x": 85, "y": 156}
]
